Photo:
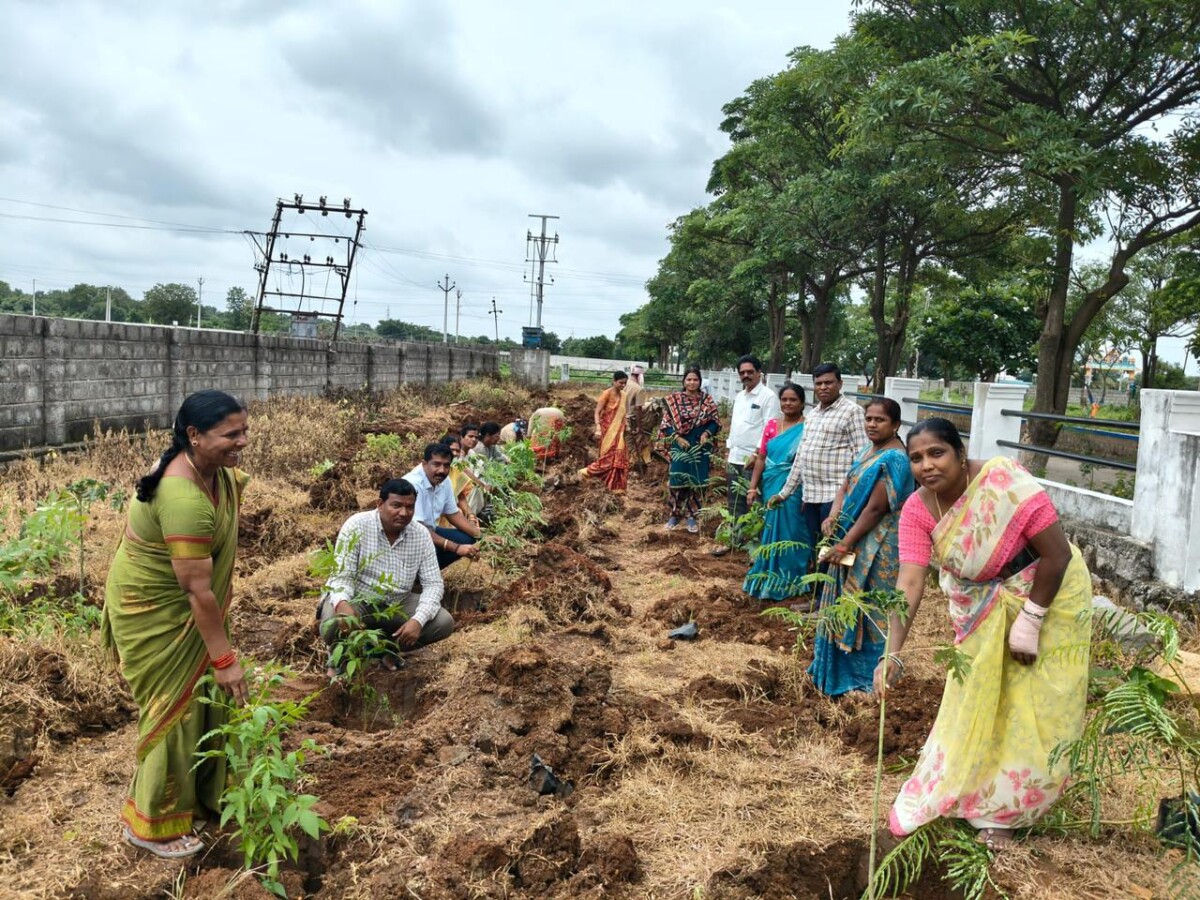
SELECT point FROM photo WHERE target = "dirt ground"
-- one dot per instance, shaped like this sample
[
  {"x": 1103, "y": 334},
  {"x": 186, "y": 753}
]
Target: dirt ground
[{"x": 697, "y": 769}]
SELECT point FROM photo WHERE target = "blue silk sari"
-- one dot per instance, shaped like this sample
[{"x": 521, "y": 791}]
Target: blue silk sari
[
  {"x": 777, "y": 571},
  {"x": 846, "y": 662}
]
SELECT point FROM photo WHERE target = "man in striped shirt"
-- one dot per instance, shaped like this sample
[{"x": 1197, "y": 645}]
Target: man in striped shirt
[
  {"x": 379, "y": 557},
  {"x": 835, "y": 431}
]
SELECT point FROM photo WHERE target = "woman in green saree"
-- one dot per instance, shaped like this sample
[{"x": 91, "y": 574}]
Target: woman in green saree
[{"x": 165, "y": 609}]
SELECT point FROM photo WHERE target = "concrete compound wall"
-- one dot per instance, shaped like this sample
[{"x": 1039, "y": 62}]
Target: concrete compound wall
[
  {"x": 530, "y": 367},
  {"x": 57, "y": 376}
]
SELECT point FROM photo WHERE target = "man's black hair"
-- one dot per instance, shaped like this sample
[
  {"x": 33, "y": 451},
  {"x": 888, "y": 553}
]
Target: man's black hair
[
  {"x": 487, "y": 429},
  {"x": 825, "y": 369},
  {"x": 437, "y": 449},
  {"x": 749, "y": 358},
  {"x": 397, "y": 486}
]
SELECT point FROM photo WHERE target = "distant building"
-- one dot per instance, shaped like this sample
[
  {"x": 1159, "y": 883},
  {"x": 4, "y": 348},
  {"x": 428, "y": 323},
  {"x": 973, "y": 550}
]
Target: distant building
[{"x": 1121, "y": 366}]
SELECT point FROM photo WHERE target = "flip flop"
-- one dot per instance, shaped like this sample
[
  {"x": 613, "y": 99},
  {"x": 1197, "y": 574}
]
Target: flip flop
[
  {"x": 157, "y": 848},
  {"x": 995, "y": 839}
]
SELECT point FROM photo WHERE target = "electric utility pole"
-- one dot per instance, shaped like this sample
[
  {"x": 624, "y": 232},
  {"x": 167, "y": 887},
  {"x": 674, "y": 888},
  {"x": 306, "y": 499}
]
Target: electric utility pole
[
  {"x": 339, "y": 262},
  {"x": 446, "y": 289},
  {"x": 495, "y": 313},
  {"x": 199, "y": 299},
  {"x": 108, "y": 304},
  {"x": 35, "y": 296},
  {"x": 457, "y": 313},
  {"x": 541, "y": 247}
]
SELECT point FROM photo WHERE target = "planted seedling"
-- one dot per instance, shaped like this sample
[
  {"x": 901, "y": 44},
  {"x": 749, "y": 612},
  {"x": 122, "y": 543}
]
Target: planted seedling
[{"x": 261, "y": 798}]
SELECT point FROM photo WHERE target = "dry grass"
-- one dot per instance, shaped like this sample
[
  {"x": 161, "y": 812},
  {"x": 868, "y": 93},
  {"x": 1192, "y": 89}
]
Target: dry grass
[
  {"x": 288, "y": 435},
  {"x": 692, "y": 807}
]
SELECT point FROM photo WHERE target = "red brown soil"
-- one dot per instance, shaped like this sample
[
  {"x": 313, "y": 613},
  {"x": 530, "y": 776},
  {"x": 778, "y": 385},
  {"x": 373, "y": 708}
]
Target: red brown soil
[
  {"x": 71, "y": 712},
  {"x": 441, "y": 775},
  {"x": 722, "y": 613},
  {"x": 792, "y": 871},
  {"x": 912, "y": 707},
  {"x": 567, "y": 586},
  {"x": 334, "y": 490},
  {"x": 837, "y": 871}
]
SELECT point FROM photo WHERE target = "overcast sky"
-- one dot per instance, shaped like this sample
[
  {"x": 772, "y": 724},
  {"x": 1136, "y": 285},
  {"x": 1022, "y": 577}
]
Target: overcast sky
[{"x": 449, "y": 123}]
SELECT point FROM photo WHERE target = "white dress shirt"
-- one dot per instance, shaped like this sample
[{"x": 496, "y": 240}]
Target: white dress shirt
[
  {"x": 432, "y": 502},
  {"x": 751, "y": 411}
]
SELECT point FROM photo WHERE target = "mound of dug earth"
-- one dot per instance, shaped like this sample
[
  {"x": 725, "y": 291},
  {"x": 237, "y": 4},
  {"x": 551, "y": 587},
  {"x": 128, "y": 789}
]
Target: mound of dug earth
[{"x": 567, "y": 586}]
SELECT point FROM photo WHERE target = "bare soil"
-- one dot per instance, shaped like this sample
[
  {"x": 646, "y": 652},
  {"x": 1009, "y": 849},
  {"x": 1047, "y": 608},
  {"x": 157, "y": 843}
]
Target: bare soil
[{"x": 707, "y": 768}]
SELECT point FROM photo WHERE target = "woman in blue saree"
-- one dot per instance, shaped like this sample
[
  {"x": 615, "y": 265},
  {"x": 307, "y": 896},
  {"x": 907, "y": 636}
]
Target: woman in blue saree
[
  {"x": 865, "y": 521},
  {"x": 785, "y": 547}
]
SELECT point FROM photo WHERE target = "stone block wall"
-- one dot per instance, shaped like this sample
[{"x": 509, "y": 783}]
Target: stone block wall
[
  {"x": 59, "y": 376},
  {"x": 21, "y": 380},
  {"x": 530, "y": 367}
]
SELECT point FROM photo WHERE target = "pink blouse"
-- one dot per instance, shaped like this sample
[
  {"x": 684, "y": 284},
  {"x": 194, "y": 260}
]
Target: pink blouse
[
  {"x": 770, "y": 431},
  {"x": 917, "y": 524}
]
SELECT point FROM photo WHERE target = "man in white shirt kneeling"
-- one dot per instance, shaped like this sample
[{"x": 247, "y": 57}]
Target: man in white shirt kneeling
[{"x": 379, "y": 556}]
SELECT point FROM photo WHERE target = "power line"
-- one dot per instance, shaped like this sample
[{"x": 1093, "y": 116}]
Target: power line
[
  {"x": 92, "y": 212},
  {"x": 185, "y": 229}
]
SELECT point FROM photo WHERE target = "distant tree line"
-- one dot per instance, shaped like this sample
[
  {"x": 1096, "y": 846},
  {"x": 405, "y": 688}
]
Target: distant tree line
[{"x": 166, "y": 304}]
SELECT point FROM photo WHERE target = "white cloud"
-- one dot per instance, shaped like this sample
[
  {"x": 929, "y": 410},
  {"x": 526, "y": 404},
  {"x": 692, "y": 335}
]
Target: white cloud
[{"x": 448, "y": 122}]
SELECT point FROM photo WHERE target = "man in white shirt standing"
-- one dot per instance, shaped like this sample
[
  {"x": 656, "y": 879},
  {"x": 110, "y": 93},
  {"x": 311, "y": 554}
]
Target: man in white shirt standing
[
  {"x": 435, "y": 499},
  {"x": 378, "y": 559},
  {"x": 753, "y": 406}
]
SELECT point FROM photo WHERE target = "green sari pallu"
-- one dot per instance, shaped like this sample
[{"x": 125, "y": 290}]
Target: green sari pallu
[{"x": 148, "y": 625}]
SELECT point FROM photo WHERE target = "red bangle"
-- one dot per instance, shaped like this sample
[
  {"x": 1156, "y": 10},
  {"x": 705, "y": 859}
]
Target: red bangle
[{"x": 225, "y": 661}]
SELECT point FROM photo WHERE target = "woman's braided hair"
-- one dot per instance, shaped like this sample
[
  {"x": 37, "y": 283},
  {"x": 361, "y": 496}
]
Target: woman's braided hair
[{"x": 202, "y": 410}]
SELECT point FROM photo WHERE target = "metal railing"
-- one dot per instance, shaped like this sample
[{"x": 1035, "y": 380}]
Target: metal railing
[
  {"x": 1095, "y": 426},
  {"x": 955, "y": 408}
]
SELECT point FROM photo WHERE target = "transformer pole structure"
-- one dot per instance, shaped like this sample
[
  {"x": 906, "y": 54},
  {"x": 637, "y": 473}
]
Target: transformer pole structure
[
  {"x": 541, "y": 245},
  {"x": 307, "y": 262},
  {"x": 496, "y": 315},
  {"x": 457, "y": 312},
  {"x": 446, "y": 289}
]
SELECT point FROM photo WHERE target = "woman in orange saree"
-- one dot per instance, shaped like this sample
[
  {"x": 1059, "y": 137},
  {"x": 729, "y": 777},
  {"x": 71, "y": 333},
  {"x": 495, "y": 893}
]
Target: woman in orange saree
[{"x": 613, "y": 463}]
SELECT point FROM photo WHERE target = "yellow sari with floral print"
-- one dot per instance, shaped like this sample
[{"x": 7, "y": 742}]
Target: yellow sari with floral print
[{"x": 987, "y": 758}]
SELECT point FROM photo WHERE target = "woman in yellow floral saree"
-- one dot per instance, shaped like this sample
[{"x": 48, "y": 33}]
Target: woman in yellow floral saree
[
  {"x": 1016, "y": 591},
  {"x": 613, "y": 462},
  {"x": 165, "y": 605}
]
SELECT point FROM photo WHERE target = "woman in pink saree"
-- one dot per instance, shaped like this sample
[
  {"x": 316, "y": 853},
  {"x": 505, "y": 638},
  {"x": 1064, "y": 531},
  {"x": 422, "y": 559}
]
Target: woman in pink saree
[{"x": 1018, "y": 595}]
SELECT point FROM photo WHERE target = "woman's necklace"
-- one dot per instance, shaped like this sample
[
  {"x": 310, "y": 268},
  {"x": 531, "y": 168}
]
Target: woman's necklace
[
  {"x": 938, "y": 503},
  {"x": 212, "y": 497}
]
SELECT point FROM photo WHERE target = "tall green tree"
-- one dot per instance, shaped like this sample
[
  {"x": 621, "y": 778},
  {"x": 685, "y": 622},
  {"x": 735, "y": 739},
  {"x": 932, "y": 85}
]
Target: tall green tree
[
  {"x": 1161, "y": 300},
  {"x": 981, "y": 332},
  {"x": 239, "y": 309},
  {"x": 1077, "y": 105},
  {"x": 783, "y": 178},
  {"x": 167, "y": 303},
  {"x": 595, "y": 347}
]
